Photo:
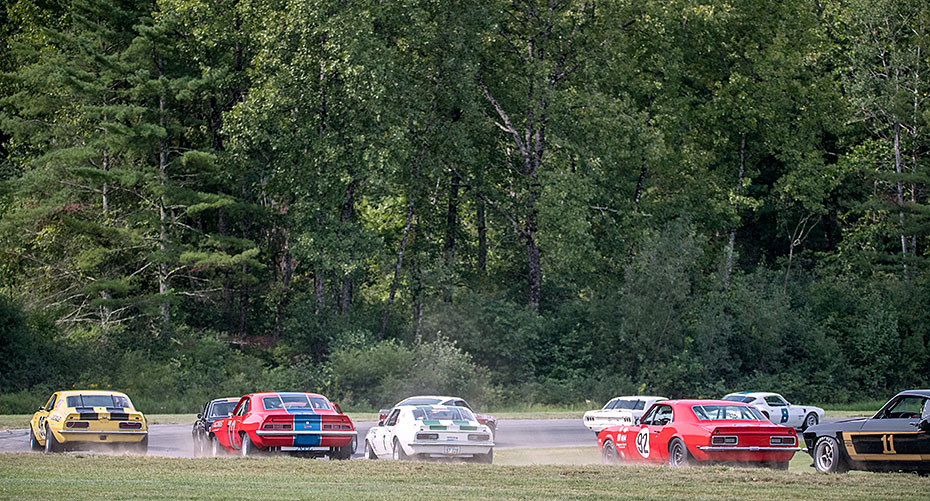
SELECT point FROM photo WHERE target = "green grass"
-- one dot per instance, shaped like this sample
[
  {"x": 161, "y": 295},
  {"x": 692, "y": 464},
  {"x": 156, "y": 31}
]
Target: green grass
[{"x": 34, "y": 476}]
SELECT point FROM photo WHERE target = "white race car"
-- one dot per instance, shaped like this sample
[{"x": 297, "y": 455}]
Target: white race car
[
  {"x": 778, "y": 410},
  {"x": 622, "y": 411},
  {"x": 430, "y": 431}
]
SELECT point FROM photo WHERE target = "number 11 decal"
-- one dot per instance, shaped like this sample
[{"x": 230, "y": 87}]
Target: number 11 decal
[{"x": 888, "y": 444}]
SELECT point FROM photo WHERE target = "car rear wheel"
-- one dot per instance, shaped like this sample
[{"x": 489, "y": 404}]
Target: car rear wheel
[
  {"x": 51, "y": 443},
  {"x": 344, "y": 452},
  {"x": 369, "y": 451},
  {"x": 827, "y": 456},
  {"x": 810, "y": 420},
  {"x": 678, "y": 454},
  {"x": 485, "y": 458},
  {"x": 399, "y": 454},
  {"x": 609, "y": 453},
  {"x": 33, "y": 441},
  {"x": 248, "y": 448}
]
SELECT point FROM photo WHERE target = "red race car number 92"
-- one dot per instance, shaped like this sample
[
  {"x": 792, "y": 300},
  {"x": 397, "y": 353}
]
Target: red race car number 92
[{"x": 642, "y": 442}]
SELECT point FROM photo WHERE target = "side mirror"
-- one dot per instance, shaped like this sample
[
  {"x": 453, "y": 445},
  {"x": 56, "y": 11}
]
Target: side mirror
[
  {"x": 924, "y": 425},
  {"x": 199, "y": 416},
  {"x": 381, "y": 423},
  {"x": 41, "y": 408}
]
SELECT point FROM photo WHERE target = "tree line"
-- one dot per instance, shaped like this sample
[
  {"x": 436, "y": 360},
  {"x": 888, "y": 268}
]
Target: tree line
[{"x": 523, "y": 201}]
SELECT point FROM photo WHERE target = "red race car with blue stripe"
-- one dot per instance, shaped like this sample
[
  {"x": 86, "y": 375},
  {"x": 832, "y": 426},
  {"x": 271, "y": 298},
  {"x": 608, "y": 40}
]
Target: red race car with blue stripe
[{"x": 305, "y": 424}]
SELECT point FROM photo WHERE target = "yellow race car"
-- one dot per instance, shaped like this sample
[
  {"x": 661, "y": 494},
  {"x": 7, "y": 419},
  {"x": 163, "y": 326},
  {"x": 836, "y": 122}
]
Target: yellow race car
[{"x": 88, "y": 417}]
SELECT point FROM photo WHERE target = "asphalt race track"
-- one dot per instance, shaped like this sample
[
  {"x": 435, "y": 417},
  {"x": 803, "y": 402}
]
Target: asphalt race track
[{"x": 174, "y": 440}]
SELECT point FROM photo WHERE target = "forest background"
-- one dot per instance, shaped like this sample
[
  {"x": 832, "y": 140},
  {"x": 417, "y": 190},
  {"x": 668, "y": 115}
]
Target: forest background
[{"x": 516, "y": 201}]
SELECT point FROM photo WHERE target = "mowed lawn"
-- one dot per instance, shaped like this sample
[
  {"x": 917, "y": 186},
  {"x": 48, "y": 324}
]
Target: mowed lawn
[{"x": 26, "y": 475}]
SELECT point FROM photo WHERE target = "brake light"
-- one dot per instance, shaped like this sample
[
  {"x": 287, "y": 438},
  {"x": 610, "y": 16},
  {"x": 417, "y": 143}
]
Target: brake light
[
  {"x": 336, "y": 427},
  {"x": 724, "y": 440},
  {"x": 276, "y": 426},
  {"x": 132, "y": 426},
  {"x": 427, "y": 436},
  {"x": 77, "y": 424},
  {"x": 480, "y": 437},
  {"x": 787, "y": 440}
]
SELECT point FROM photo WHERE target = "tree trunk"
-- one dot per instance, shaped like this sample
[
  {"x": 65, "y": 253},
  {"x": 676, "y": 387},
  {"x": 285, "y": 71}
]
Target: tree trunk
[
  {"x": 348, "y": 214},
  {"x": 731, "y": 243},
  {"x": 451, "y": 227},
  {"x": 898, "y": 168},
  {"x": 397, "y": 267},
  {"x": 286, "y": 269},
  {"x": 164, "y": 279}
]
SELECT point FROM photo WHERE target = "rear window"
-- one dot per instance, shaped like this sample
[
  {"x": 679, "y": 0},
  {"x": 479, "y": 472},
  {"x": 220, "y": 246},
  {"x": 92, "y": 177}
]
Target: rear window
[
  {"x": 739, "y": 398},
  {"x": 722, "y": 411},
  {"x": 444, "y": 413},
  {"x": 632, "y": 405},
  {"x": 295, "y": 401},
  {"x": 222, "y": 409},
  {"x": 98, "y": 401}
]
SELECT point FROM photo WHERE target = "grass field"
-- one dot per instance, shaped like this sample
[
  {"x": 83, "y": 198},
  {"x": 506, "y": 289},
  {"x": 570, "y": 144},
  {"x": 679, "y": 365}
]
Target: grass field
[{"x": 103, "y": 477}]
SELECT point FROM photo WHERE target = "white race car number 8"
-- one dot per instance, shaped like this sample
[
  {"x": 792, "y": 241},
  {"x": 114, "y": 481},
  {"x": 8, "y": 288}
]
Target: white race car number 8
[{"x": 642, "y": 442}]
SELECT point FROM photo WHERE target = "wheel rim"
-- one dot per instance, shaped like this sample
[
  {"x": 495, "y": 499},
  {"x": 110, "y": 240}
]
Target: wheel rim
[
  {"x": 677, "y": 455},
  {"x": 609, "y": 453},
  {"x": 811, "y": 420},
  {"x": 245, "y": 446},
  {"x": 826, "y": 456},
  {"x": 396, "y": 453}
]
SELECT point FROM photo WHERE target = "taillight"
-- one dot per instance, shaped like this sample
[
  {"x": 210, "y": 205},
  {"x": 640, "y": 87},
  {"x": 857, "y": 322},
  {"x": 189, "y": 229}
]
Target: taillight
[
  {"x": 724, "y": 440},
  {"x": 130, "y": 426},
  {"x": 786, "y": 440},
  {"x": 336, "y": 427},
  {"x": 77, "y": 424},
  {"x": 481, "y": 437},
  {"x": 276, "y": 426},
  {"x": 427, "y": 436}
]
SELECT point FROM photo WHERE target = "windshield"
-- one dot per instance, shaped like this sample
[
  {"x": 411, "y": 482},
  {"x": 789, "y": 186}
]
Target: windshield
[
  {"x": 222, "y": 409},
  {"x": 295, "y": 401},
  {"x": 715, "y": 412},
  {"x": 443, "y": 413},
  {"x": 633, "y": 405},
  {"x": 739, "y": 398},
  {"x": 98, "y": 401}
]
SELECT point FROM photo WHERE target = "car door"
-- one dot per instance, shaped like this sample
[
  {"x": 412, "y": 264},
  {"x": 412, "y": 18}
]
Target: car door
[
  {"x": 892, "y": 434},
  {"x": 660, "y": 432},
  {"x": 645, "y": 442},
  {"x": 234, "y": 424},
  {"x": 383, "y": 445},
  {"x": 42, "y": 415},
  {"x": 778, "y": 410}
]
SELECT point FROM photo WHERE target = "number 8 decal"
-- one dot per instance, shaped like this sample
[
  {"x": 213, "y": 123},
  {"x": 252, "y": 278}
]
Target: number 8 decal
[{"x": 784, "y": 415}]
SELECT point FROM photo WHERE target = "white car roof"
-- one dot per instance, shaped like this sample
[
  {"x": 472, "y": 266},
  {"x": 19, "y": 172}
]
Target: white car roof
[
  {"x": 639, "y": 397},
  {"x": 439, "y": 397},
  {"x": 755, "y": 394}
]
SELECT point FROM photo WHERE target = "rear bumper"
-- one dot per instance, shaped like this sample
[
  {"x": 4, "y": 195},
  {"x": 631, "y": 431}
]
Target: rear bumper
[
  {"x": 100, "y": 436},
  {"x": 721, "y": 448},
  {"x": 449, "y": 449},
  {"x": 290, "y": 433}
]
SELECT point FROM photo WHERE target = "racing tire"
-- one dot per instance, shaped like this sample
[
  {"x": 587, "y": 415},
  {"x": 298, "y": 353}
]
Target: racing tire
[
  {"x": 398, "y": 452},
  {"x": 609, "y": 453},
  {"x": 678, "y": 454},
  {"x": 248, "y": 448},
  {"x": 369, "y": 451},
  {"x": 828, "y": 458},
  {"x": 51, "y": 443},
  {"x": 810, "y": 420},
  {"x": 33, "y": 441},
  {"x": 344, "y": 452},
  {"x": 215, "y": 448}
]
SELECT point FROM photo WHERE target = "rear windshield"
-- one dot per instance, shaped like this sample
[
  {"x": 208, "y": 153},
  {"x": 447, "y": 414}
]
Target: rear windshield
[
  {"x": 98, "y": 401},
  {"x": 222, "y": 409},
  {"x": 739, "y": 398},
  {"x": 444, "y": 413},
  {"x": 714, "y": 412},
  {"x": 295, "y": 401},
  {"x": 633, "y": 405}
]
